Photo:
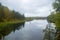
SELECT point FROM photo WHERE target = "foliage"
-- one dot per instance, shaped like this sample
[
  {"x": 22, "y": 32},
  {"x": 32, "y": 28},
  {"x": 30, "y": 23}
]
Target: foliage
[
  {"x": 51, "y": 18},
  {"x": 1, "y": 13},
  {"x": 55, "y": 17},
  {"x": 9, "y": 15},
  {"x": 56, "y": 5}
]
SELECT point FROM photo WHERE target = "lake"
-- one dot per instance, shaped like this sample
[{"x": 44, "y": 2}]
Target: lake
[{"x": 30, "y": 30}]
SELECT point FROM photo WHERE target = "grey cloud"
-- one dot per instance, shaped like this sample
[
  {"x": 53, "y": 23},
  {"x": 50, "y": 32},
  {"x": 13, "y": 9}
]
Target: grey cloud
[{"x": 32, "y": 8}]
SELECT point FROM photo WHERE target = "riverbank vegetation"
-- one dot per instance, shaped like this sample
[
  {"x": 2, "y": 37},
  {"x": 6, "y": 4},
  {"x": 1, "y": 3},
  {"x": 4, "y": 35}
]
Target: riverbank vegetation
[
  {"x": 55, "y": 18},
  {"x": 7, "y": 15},
  {"x": 9, "y": 20},
  {"x": 7, "y": 29}
]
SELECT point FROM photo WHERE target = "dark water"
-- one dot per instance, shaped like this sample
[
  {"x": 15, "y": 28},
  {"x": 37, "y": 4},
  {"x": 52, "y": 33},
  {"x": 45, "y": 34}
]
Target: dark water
[{"x": 32, "y": 30}]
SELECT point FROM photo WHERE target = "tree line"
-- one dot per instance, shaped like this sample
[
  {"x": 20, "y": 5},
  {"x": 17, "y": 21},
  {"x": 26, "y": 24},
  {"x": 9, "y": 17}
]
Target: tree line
[
  {"x": 9, "y": 15},
  {"x": 55, "y": 18}
]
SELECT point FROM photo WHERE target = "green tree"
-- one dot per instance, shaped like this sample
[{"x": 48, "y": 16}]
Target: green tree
[
  {"x": 56, "y": 5},
  {"x": 1, "y": 13},
  {"x": 9, "y": 15},
  {"x": 56, "y": 18}
]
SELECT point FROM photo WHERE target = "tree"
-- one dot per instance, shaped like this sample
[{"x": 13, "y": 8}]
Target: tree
[
  {"x": 1, "y": 13},
  {"x": 9, "y": 15},
  {"x": 56, "y": 5},
  {"x": 0, "y": 4}
]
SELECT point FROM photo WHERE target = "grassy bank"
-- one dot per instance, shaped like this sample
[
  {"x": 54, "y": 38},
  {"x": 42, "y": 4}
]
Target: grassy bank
[{"x": 13, "y": 22}]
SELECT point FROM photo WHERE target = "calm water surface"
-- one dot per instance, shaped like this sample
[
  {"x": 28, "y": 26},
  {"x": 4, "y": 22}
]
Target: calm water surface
[{"x": 32, "y": 30}]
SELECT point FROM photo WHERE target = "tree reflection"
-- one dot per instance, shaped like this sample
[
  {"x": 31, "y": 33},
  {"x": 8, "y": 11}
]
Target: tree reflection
[
  {"x": 49, "y": 32},
  {"x": 9, "y": 28}
]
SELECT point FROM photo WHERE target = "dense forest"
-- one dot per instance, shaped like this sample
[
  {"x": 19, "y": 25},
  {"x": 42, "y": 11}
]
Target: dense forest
[
  {"x": 9, "y": 15},
  {"x": 55, "y": 18}
]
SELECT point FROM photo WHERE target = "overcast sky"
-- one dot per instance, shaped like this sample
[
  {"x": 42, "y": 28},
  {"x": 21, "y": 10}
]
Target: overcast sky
[{"x": 29, "y": 7}]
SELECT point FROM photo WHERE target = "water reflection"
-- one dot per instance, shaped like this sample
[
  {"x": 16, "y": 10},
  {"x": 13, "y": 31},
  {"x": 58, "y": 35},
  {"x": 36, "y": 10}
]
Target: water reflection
[
  {"x": 50, "y": 32},
  {"x": 10, "y": 28},
  {"x": 32, "y": 30}
]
